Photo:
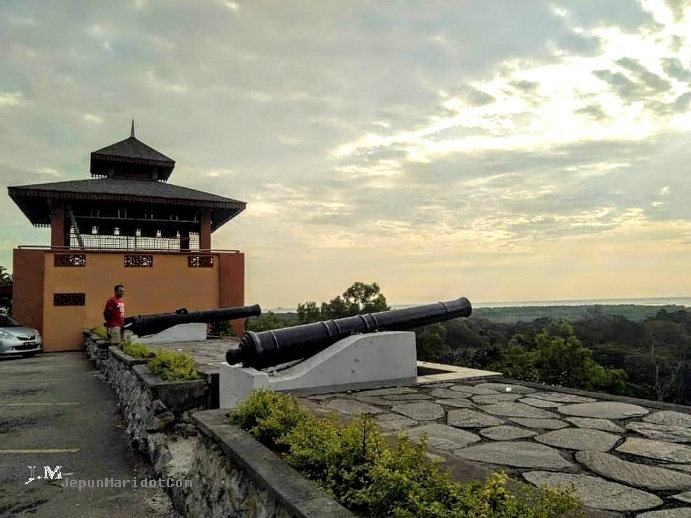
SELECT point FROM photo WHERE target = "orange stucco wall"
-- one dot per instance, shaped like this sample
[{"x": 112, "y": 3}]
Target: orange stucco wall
[
  {"x": 232, "y": 286},
  {"x": 166, "y": 286},
  {"x": 27, "y": 289}
]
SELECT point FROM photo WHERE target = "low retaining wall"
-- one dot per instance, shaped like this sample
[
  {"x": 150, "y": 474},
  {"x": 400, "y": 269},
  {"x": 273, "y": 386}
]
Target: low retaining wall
[
  {"x": 231, "y": 473},
  {"x": 148, "y": 404},
  {"x": 234, "y": 475}
]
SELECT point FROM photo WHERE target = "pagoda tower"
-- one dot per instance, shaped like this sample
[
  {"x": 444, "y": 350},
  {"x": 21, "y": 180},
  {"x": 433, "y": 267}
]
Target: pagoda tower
[{"x": 126, "y": 225}]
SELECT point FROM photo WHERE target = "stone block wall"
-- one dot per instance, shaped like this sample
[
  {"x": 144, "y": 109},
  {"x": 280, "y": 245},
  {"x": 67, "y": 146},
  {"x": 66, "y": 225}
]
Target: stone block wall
[
  {"x": 231, "y": 474},
  {"x": 149, "y": 405}
]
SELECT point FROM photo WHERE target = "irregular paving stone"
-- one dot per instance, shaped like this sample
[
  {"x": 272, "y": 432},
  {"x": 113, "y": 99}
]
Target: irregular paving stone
[
  {"x": 683, "y": 497},
  {"x": 662, "y": 432},
  {"x": 596, "y": 492},
  {"x": 520, "y": 454},
  {"x": 435, "y": 385},
  {"x": 471, "y": 419},
  {"x": 539, "y": 403},
  {"x": 350, "y": 407},
  {"x": 604, "y": 410},
  {"x": 442, "y": 436},
  {"x": 679, "y": 512},
  {"x": 406, "y": 397},
  {"x": 458, "y": 403},
  {"x": 374, "y": 400},
  {"x": 315, "y": 408},
  {"x": 386, "y": 391},
  {"x": 579, "y": 439},
  {"x": 502, "y": 388},
  {"x": 448, "y": 394},
  {"x": 656, "y": 450},
  {"x": 541, "y": 424},
  {"x": 680, "y": 467},
  {"x": 469, "y": 389},
  {"x": 517, "y": 410},
  {"x": 669, "y": 417},
  {"x": 506, "y": 433},
  {"x": 395, "y": 422},
  {"x": 495, "y": 398},
  {"x": 562, "y": 397},
  {"x": 633, "y": 474},
  {"x": 596, "y": 424},
  {"x": 424, "y": 411}
]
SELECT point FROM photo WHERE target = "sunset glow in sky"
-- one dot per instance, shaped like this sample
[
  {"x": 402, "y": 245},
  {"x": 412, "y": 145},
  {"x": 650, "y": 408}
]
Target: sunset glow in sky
[{"x": 503, "y": 150}]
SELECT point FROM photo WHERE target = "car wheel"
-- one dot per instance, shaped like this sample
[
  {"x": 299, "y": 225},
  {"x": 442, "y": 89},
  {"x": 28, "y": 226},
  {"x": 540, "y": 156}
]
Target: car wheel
[{"x": 28, "y": 355}]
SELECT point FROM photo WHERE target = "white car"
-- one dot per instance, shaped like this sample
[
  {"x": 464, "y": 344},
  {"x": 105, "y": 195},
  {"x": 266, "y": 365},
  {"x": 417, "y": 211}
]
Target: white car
[{"x": 18, "y": 339}]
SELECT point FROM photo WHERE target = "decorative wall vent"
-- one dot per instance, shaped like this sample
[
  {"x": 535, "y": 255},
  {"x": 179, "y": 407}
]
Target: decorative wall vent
[
  {"x": 69, "y": 260},
  {"x": 69, "y": 299},
  {"x": 200, "y": 261},
  {"x": 139, "y": 261}
]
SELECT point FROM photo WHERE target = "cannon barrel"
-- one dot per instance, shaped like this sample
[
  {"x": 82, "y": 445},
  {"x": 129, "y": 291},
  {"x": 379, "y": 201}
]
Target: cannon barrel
[
  {"x": 143, "y": 325},
  {"x": 271, "y": 348}
]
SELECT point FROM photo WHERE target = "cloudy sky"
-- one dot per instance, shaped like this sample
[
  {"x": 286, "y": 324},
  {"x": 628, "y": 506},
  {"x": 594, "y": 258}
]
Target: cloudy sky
[{"x": 499, "y": 150}]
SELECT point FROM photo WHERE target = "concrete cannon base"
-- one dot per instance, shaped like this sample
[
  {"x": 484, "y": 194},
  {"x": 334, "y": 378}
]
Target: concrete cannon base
[{"x": 356, "y": 362}]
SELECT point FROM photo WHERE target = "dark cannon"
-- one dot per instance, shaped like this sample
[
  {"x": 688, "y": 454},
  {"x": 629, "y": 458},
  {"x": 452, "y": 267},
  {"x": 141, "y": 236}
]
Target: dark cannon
[
  {"x": 271, "y": 348},
  {"x": 143, "y": 325}
]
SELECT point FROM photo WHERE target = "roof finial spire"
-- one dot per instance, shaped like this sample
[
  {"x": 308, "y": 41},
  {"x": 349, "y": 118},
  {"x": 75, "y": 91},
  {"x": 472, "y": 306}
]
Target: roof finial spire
[{"x": 132, "y": 131}]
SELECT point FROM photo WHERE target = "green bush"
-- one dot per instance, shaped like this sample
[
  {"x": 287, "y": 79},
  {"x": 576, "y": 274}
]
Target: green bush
[
  {"x": 219, "y": 328},
  {"x": 269, "y": 416},
  {"x": 172, "y": 366},
  {"x": 167, "y": 365},
  {"x": 136, "y": 350},
  {"x": 266, "y": 322},
  {"x": 353, "y": 464}
]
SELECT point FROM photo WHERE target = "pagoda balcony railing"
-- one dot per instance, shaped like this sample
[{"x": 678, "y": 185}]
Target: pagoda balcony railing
[
  {"x": 194, "y": 251},
  {"x": 137, "y": 220}
]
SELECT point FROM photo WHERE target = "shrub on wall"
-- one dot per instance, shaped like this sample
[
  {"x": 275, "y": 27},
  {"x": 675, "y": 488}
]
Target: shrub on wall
[
  {"x": 136, "y": 350},
  {"x": 101, "y": 332},
  {"x": 167, "y": 365},
  {"x": 172, "y": 366},
  {"x": 355, "y": 466}
]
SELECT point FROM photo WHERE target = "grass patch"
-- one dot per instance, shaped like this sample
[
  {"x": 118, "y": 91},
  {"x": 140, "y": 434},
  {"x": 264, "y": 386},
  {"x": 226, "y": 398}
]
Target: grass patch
[{"x": 354, "y": 465}]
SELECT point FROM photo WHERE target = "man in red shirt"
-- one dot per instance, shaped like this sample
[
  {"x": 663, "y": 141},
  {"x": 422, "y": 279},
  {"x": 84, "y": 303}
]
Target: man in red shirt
[{"x": 114, "y": 315}]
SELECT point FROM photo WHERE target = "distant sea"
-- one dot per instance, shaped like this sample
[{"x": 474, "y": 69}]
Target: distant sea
[{"x": 660, "y": 301}]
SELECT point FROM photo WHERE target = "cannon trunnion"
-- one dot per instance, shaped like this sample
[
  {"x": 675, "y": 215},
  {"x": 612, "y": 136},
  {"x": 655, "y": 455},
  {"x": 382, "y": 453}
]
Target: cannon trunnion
[
  {"x": 271, "y": 348},
  {"x": 143, "y": 325}
]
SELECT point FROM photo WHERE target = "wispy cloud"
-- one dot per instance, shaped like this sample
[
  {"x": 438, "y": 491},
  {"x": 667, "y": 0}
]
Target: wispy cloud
[{"x": 413, "y": 146}]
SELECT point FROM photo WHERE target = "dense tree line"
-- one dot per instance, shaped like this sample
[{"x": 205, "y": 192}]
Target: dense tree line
[
  {"x": 608, "y": 353},
  {"x": 600, "y": 351}
]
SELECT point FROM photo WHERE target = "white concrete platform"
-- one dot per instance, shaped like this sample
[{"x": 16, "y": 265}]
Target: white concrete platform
[
  {"x": 180, "y": 333},
  {"x": 374, "y": 360}
]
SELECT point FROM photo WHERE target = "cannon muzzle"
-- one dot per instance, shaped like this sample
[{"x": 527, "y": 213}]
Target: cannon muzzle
[
  {"x": 271, "y": 348},
  {"x": 144, "y": 325}
]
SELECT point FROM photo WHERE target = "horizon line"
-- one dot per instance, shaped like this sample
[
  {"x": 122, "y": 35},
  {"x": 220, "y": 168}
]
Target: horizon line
[{"x": 538, "y": 302}]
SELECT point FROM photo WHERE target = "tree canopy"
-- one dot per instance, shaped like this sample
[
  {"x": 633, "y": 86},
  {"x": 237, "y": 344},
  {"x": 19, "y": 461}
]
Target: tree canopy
[
  {"x": 5, "y": 277},
  {"x": 360, "y": 298}
]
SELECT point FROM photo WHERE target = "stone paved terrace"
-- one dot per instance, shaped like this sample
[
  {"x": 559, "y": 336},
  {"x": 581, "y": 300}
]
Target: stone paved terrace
[
  {"x": 208, "y": 355},
  {"x": 625, "y": 459}
]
